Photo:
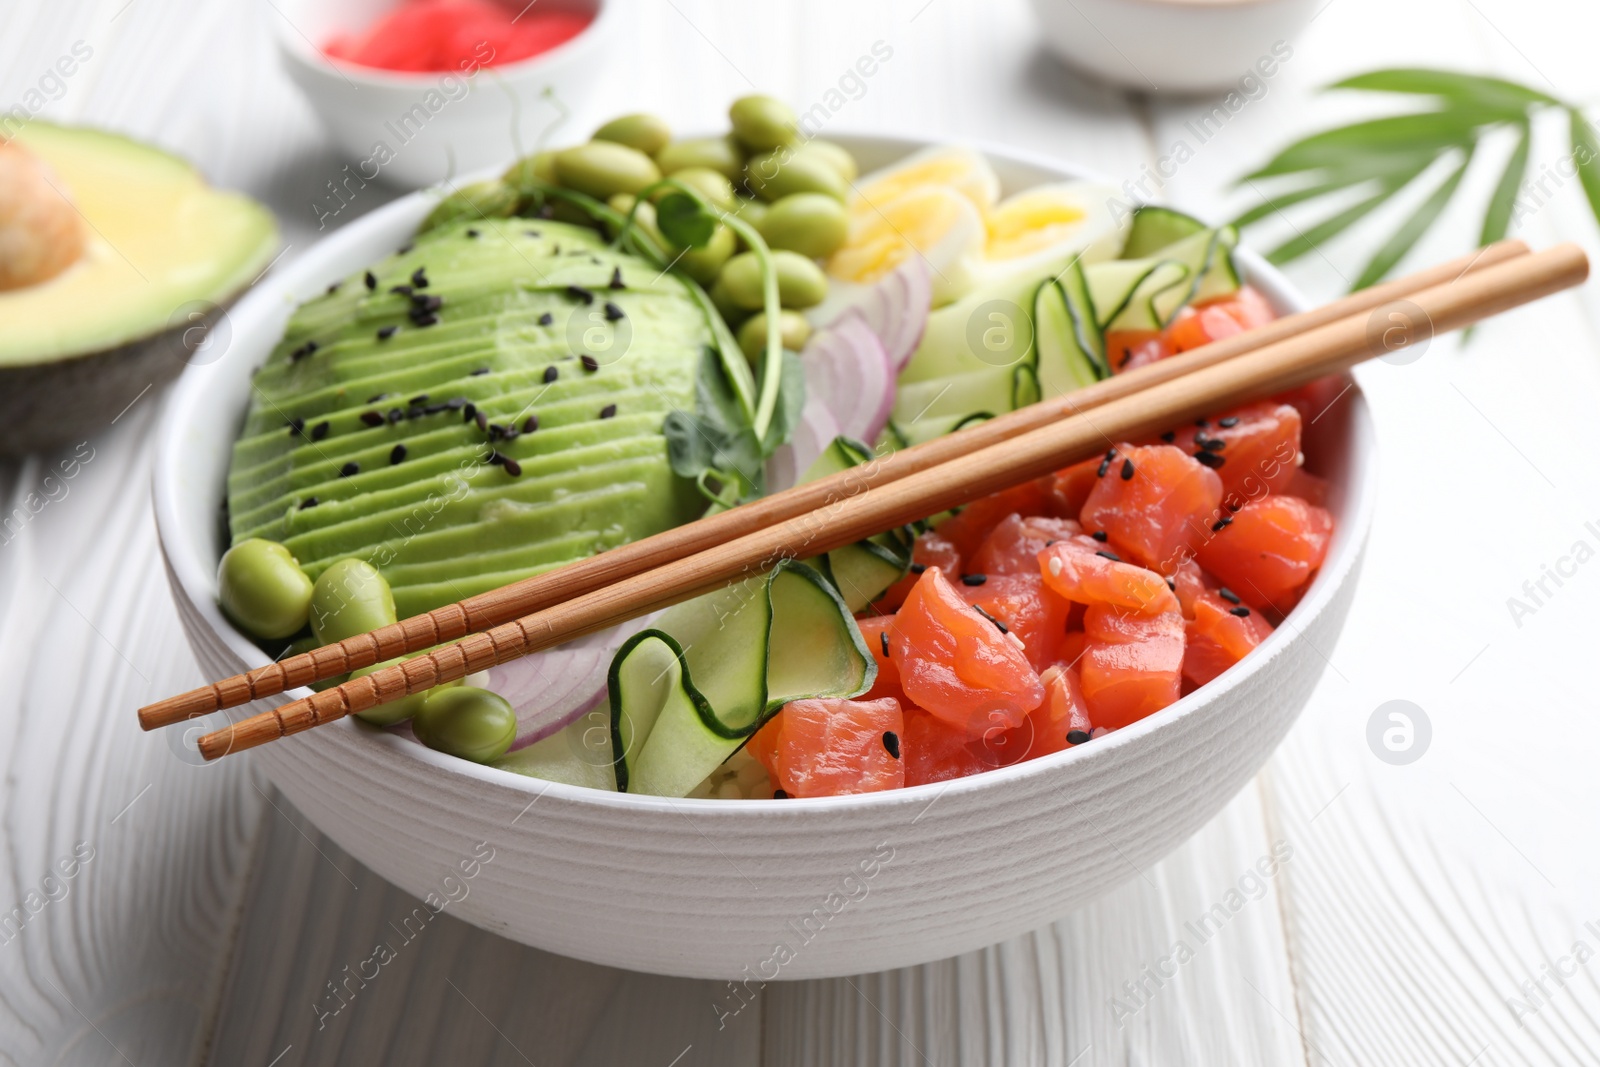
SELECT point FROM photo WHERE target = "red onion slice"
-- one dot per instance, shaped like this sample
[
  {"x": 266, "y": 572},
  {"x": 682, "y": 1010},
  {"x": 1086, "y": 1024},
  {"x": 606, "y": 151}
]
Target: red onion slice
[
  {"x": 896, "y": 308},
  {"x": 848, "y": 370},
  {"x": 816, "y": 430}
]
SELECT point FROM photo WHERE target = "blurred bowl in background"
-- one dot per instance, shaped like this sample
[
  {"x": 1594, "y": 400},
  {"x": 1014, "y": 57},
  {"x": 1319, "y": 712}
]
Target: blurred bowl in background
[
  {"x": 415, "y": 129},
  {"x": 1173, "y": 46}
]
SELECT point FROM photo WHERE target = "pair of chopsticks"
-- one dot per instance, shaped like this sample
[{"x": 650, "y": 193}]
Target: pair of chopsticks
[{"x": 625, "y": 582}]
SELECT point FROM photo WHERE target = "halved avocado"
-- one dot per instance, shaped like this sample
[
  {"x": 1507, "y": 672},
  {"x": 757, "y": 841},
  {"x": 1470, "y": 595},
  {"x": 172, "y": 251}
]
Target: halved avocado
[{"x": 164, "y": 256}]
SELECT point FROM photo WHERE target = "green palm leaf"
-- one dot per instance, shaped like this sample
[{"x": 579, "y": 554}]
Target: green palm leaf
[{"x": 1395, "y": 248}]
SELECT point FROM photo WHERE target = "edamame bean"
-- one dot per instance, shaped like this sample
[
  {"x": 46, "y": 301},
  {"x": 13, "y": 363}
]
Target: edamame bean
[
  {"x": 801, "y": 283},
  {"x": 731, "y": 312},
  {"x": 705, "y": 181},
  {"x": 396, "y": 710},
  {"x": 775, "y": 175},
  {"x": 350, "y": 598},
  {"x": 263, "y": 590},
  {"x": 480, "y": 200},
  {"x": 714, "y": 153},
  {"x": 834, "y": 155},
  {"x": 809, "y": 223},
  {"x": 464, "y": 721},
  {"x": 603, "y": 168},
  {"x": 644, "y": 132},
  {"x": 763, "y": 122},
  {"x": 792, "y": 327},
  {"x": 529, "y": 172}
]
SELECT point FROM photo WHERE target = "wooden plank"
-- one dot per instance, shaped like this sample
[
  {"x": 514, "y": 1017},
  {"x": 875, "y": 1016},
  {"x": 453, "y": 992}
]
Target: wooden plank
[{"x": 336, "y": 966}]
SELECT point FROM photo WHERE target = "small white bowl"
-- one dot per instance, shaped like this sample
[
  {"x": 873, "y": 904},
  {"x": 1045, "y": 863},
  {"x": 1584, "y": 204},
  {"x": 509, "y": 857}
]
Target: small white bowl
[
  {"x": 1175, "y": 46},
  {"x": 413, "y": 130},
  {"x": 710, "y": 888}
]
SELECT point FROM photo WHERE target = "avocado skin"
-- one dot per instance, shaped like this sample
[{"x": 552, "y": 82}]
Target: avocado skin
[{"x": 360, "y": 370}]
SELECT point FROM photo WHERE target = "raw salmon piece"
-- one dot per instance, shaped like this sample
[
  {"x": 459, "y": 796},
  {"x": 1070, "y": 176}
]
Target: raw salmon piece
[
  {"x": 956, "y": 664},
  {"x": 1129, "y": 349},
  {"x": 969, "y": 526},
  {"x": 1014, "y": 545},
  {"x": 1025, "y": 607},
  {"x": 878, "y": 632},
  {"x": 937, "y": 751},
  {"x": 1132, "y": 663},
  {"x": 1219, "y": 634},
  {"x": 1069, "y": 488},
  {"x": 1269, "y": 550},
  {"x": 1155, "y": 503},
  {"x": 1255, "y": 449},
  {"x": 929, "y": 550},
  {"x": 824, "y": 748},
  {"x": 1085, "y": 571},
  {"x": 1216, "y": 319}
]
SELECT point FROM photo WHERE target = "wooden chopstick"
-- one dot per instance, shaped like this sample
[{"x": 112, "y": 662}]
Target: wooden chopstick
[
  {"x": 524, "y": 597},
  {"x": 1282, "y": 365}
]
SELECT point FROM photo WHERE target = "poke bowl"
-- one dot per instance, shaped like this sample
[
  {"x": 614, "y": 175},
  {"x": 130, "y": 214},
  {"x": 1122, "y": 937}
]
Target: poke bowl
[{"x": 754, "y": 889}]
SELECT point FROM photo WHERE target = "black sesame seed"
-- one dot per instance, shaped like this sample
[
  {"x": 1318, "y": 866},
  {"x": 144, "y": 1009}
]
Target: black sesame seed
[
  {"x": 998, "y": 625},
  {"x": 494, "y": 458},
  {"x": 1127, "y": 470},
  {"x": 531, "y": 233},
  {"x": 427, "y": 302},
  {"x": 418, "y": 400},
  {"x": 376, "y": 397},
  {"x": 579, "y": 293},
  {"x": 419, "y": 278},
  {"x": 349, "y": 469},
  {"x": 396, "y": 454},
  {"x": 891, "y": 743},
  {"x": 403, "y": 249},
  {"x": 469, "y": 412},
  {"x": 297, "y": 427},
  {"x": 1077, "y": 737},
  {"x": 1220, "y": 523},
  {"x": 425, "y": 319},
  {"x": 1169, "y": 437},
  {"x": 1228, "y": 594},
  {"x": 974, "y": 579},
  {"x": 320, "y": 430},
  {"x": 1099, "y": 535},
  {"x": 590, "y": 364},
  {"x": 479, "y": 372},
  {"x": 616, "y": 279},
  {"x": 918, "y": 568},
  {"x": 1241, "y": 611},
  {"x": 1105, "y": 465},
  {"x": 613, "y": 313},
  {"x": 395, "y": 415},
  {"x": 334, "y": 288},
  {"x": 308, "y": 502},
  {"x": 472, "y": 233},
  {"x": 1172, "y": 583},
  {"x": 371, "y": 280},
  {"x": 496, "y": 431},
  {"x": 456, "y": 403},
  {"x": 1210, "y": 459},
  {"x": 1210, "y": 444},
  {"x": 302, "y": 352},
  {"x": 434, "y": 409},
  {"x": 608, "y": 411},
  {"x": 883, "y": 639},
  {"x": 483, "y": 422},
  {"x": 512, "y": 467},
  {"x": 386, "y": 332},
  {"x": 530, "y": 424},
  {"x": 1202, "y": 423},
  {"x": 372, "y": 418},
  {"x": 1112, "y": 556},
  {"x": 551, "y": 374},
  {"x": 546, "y": 319},
  {"x": 403, "y": 290},
  {"x": 778, "y": 794},
  {"x": 1228, "y": 423}
]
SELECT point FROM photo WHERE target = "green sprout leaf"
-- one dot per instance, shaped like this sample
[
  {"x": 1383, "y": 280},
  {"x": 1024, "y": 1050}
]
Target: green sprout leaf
[{"x": 684, "y": 221}]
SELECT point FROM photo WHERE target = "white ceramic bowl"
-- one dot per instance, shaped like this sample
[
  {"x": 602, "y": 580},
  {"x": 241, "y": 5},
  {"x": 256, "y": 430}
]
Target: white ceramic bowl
[
  {"x": 413, "y": 130},
  {"x": 1175, "y": 46},
  {"x": 709, "y": 888}
]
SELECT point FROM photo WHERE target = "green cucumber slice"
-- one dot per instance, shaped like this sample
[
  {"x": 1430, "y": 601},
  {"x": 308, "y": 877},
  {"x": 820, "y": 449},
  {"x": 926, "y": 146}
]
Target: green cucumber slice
[
  {"x": 1136, "y": 294},
  {"x": 577, "y": 754},
  {"x": 686, "y": 693},
  {"x": 989, "y": 388},
  {"x": 1154, "y": 228},
  {"x": 861, "y": 572},
  {"x": 1071, "y": 348}
]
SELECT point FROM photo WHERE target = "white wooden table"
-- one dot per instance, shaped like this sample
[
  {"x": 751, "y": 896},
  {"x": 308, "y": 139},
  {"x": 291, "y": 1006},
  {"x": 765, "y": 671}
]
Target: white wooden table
[{"x": 1447, "y": 911}]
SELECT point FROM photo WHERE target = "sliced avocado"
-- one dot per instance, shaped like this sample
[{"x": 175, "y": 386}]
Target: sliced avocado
[
  {"x": 360, "y": 440},
  {"x": 165, "y": 253}
]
